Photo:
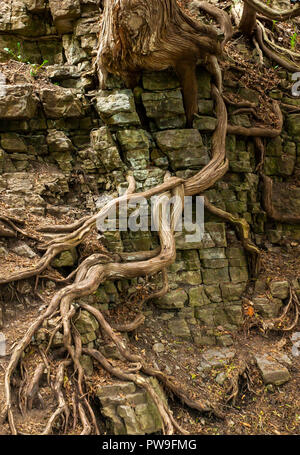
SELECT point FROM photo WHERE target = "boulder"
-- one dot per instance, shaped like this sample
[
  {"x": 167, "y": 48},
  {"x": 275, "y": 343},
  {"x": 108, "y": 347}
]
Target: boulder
[
  {"x": 272, "y": 371},
  {"x": 58, "y": 141},
  {"x": 19, "y": 102},
  {"x": 106, "y": 149},
  {"x": 86, "y": 323},
  {"x": 59, "y": 102},
  {"x": 64, "y": 12},
  {"x": 117, "y": 107},
  {"x": 130, "y": 410},
  {"x": 184, "y": 148},
  {"x": 280, "y": 289},
  {"x": 173, "y": 299}
]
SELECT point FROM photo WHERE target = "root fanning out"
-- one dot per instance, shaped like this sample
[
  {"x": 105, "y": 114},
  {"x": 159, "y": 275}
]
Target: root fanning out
[{"x": 157, "y": 38}]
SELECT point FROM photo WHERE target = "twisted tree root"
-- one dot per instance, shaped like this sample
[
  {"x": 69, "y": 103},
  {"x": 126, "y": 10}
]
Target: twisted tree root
[
  {"x": 101, "y": 267},
  {"x": 244, "y": 232},
  {"x": 272, "y": 212}
]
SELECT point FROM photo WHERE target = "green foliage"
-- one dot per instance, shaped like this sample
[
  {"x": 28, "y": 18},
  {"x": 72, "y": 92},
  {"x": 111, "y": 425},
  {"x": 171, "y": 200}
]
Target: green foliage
[
  {"x": 35, "y": 67},
  {"x": 16, "y": 55},
  {"x": 294, "y": 40}
]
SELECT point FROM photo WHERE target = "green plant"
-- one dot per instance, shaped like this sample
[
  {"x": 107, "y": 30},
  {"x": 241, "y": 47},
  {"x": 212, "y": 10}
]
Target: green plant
[
  {"x": 35, "y": 67},
  {"x": 16, "y": 55},
  {"x": 294, "y": 40}
]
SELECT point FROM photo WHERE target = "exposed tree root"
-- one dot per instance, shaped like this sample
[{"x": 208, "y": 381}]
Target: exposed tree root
[
  {"x": 11, "y": 223},
  {"x": 259, "y": 131},
  {"x": 273, "y": 55},
  {"x": 178, "y": 43},
  {"x": 244, "y": 233},
  {"x": 220, "y": 15},
  {"x": 32, "y": 391},
  {"x": 272, "y": 212},
  {"x": 240, "y": 378},
  {"x": 273, "y": 13},
  {"x": 63, "y": 408},
  {"x": 286, "y": 322}
]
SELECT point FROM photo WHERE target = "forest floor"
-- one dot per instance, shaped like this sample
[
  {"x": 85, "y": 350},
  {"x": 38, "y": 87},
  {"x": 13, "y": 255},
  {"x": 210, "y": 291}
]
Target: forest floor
[
  {"x": 263, "y": 410},
  {"x": 258, "y": 409}
]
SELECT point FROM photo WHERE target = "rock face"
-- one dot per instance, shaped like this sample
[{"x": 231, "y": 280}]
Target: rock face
[
  {"x": 19, "y": 102},
  {"x": 129, "y": 410},
  {"x": 60, "y": 102},
  {"x": 64, "y": 143},
  {"x": 173, "y": 144}
]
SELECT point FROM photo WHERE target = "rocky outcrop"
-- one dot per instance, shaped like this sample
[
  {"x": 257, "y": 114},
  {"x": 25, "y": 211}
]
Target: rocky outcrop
[
  {"x": 64, "y": 143},
  {"x": 129, "y": 410}
]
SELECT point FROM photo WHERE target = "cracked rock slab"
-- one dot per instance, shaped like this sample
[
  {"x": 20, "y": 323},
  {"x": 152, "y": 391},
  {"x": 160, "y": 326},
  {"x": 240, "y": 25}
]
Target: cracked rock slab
[{"x": 271, "y": 370}]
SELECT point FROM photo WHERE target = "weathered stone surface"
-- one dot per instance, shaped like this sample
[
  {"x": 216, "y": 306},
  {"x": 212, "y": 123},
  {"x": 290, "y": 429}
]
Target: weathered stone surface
[
  {"x": 12, "y": 142},
  {"x": 86, "y": 323},
  {"x": 129, "y": 410},
  {"x": 293, "y": 124},
  {"x": 236, "y": 256},
  {"x": 19, "y": 102},
  {"x": 14, "y": 17},
  {"x": 64, "y": 12},
  {"x": 87, "y": 364},
  {"x": 117, "y": 107},
  {"x": 65, "y": 259},
  {"x": 272, "y": 371},
  {"x": 179, "y": 328},
  {"x": 135, "y": 145},
  {"x": 175, "y": 143},
  {"x": 266, "y": 307},
  {"x": 205, "y": 123},
  {"x": 160, "y": 80},
  {"x": 192, "y": 277},
  {"x": 204, "y": 339},
  {"x": 165, "y": 106},
  {"x": 106, "y": 149},
  {"x": 173, "y": 299},
  {"x": 198, "y": 296},
  {"x": 59, "y": 102},
  {"x": 238, "y": 274},
  {"x": 286, "y": 199},
  {"x": 279, "y": 289},
  {"x": 22, "y": 249},
  {"x": 206, "y": 314},
  {"x": 58, "y": 141},
  {"x": 213, "y": 292},
  {"x": 213, "y": 276},
  {"x": 216, "y": 357},
  {"x": 232, "y": 291}
]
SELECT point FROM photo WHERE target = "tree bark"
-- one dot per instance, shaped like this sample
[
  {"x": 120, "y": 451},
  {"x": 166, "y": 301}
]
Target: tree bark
[
  {"x": 248, "y": 20},
  {"x": 153, "y": 35}
]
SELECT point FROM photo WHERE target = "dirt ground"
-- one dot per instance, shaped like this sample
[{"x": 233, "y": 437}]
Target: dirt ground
[{"x": 262, "y": 409}]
